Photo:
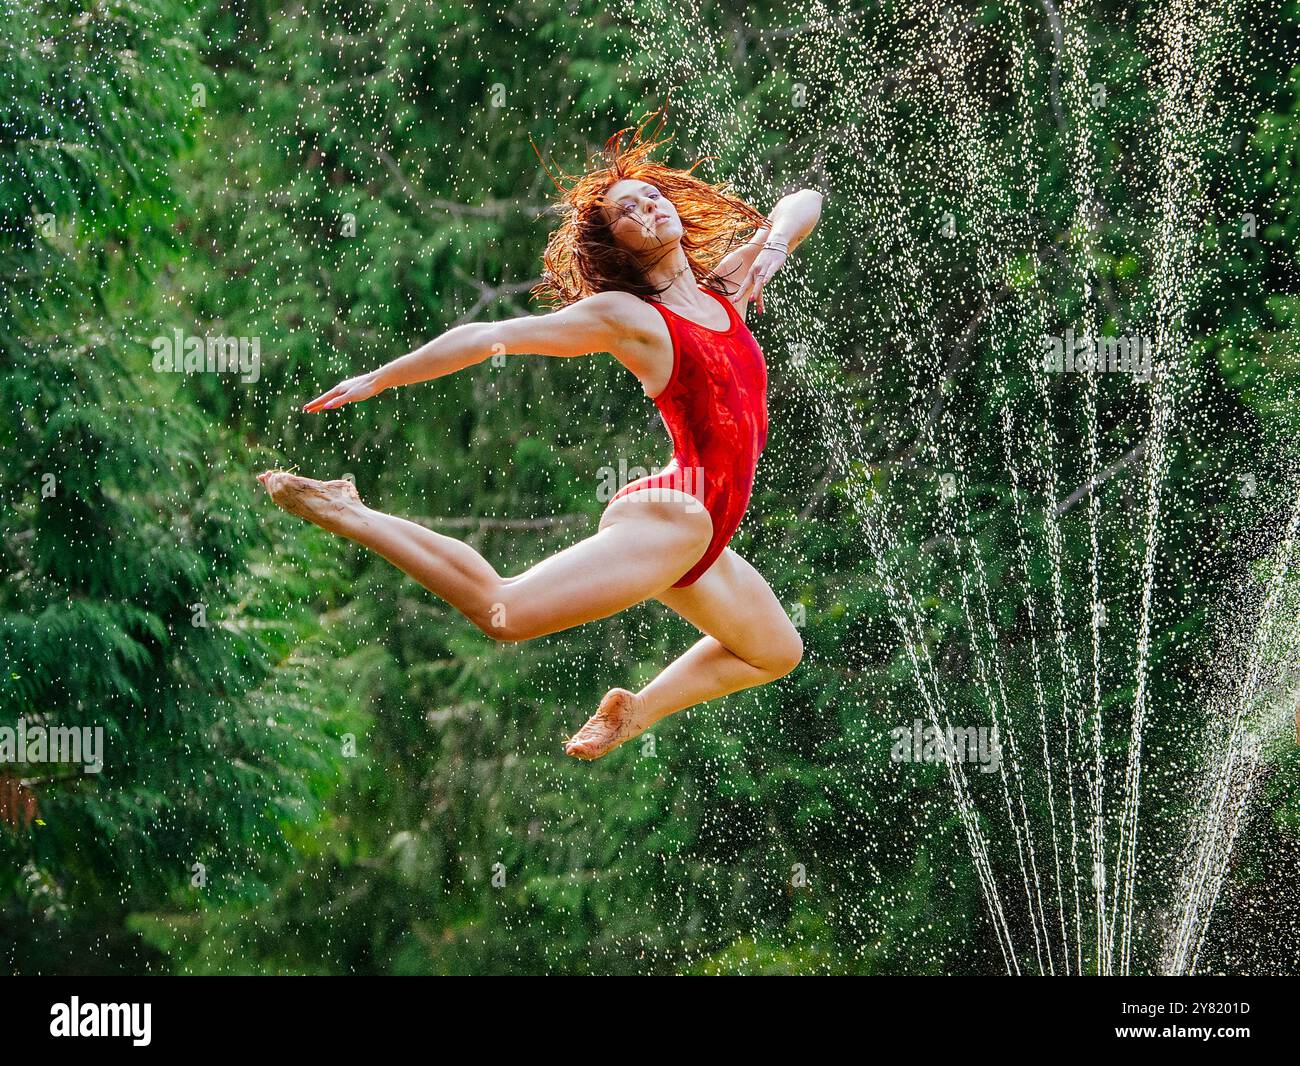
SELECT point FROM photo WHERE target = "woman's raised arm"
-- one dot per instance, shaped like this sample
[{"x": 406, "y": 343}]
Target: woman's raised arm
[
  {"x": 753, "y": 264},
  {"x": 596, "y": 323}
]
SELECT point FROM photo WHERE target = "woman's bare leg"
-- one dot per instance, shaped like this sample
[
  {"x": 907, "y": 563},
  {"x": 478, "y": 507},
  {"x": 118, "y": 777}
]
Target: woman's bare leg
[
  {"x": 749, "y": 641},
  {"x": 641, "y": 548}
]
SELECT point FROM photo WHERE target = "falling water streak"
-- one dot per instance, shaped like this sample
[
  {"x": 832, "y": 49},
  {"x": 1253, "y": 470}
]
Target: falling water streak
[
  {"x": 972, "y": 144},
  {"x": 1021, "y": 828},
  {"x": 1216, "y": 830},
  {"x": 1002, "y": 724},
  {"x": 1006, "y": 422},
  {"x": 1040, "y": 693},
  {"x": 865, "y": 492},
  {"x": 1054, "y": 555},
  {"x": 1215, "y": 850},
  {"x": 1077, "y": 95},
  {"x": 1097, "y": 830},
  {"x": 1219, "y": 836},
  {"x": 1023, "y": 556},
  {"x": 1232, "y": 825},
  {"x": 956, "y": 774},
  {"x": 957, "y": 778},
  {"x": 1186, "y": 77},
  {"x": 1228, "y": 836},
  {"x": 1054, "y": 551},
  {"x": 973, "y": 152},
  {"x": 1125, "y": 871},
  {"x": 1153, "y": 473}
]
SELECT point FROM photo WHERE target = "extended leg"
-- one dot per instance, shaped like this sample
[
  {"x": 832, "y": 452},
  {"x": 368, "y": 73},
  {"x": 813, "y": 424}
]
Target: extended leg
[
  {"x": 750, "y": 641},
  {"x": 641, "y": 548}
]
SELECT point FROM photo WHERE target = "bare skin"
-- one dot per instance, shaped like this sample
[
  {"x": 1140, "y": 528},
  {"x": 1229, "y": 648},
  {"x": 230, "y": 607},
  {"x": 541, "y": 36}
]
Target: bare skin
[{"x": 643, "y": 543}]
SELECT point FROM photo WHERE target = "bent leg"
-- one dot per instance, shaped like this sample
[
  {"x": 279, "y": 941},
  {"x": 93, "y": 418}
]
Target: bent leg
[
  {"x": 749, "y": 641},
  {"x": 639, "y": 551}
]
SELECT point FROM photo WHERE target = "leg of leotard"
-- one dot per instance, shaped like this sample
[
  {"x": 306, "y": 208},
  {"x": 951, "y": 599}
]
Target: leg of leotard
[
  {"x": 749, "y": 641},
  {"x": 641, "y": 548}
]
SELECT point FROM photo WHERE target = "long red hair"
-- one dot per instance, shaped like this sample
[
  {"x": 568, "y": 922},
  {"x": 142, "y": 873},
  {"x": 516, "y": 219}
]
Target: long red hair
[{"x": 582, "y": 257}]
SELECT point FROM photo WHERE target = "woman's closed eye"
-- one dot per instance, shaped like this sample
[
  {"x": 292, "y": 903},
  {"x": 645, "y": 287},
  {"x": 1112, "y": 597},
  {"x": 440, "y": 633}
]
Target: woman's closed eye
[{"x": 629, "y": 207}]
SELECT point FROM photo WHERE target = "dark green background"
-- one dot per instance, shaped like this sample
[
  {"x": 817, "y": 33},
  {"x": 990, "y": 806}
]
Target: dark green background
[{"x": 220, "y": 210}]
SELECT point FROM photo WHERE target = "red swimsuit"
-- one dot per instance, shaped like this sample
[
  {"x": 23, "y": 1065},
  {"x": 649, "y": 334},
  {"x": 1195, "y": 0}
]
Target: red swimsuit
[{"x": 715, "y": 408}]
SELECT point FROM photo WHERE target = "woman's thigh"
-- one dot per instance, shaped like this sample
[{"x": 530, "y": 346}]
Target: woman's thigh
[
  {"x": 734, "y": 604},
  {"x": 641, "y": 548}
]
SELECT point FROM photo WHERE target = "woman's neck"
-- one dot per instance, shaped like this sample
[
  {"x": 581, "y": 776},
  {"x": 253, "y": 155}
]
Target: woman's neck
[{"x": 673, "y": 276}]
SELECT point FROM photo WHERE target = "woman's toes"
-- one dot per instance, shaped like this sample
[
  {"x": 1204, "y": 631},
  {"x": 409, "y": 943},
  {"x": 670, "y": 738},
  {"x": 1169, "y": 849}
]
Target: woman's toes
[
  {"x": 347, "y": 487},
  {"x": 614, "y": 722}
]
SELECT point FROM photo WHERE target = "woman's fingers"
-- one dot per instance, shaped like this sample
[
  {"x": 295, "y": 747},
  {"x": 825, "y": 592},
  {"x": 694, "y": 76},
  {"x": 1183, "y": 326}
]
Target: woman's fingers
[
  {"x": 344, "y": 392},
  {"x": 350, "y": 391},
  {"x": 321, "y": 400},
  {"x": 759, "y": 282},
  {"x": 350, "y": 396},
  {"x": 747, "y": 284},
  {"x": 759, "y": 275}
]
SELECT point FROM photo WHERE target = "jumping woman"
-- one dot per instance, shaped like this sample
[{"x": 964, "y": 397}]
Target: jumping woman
[{"x": 647, "y": 265}]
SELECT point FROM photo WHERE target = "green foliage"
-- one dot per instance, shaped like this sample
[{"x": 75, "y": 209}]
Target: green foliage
[
  {"x": 342, "y": 182},
  {"x": 138, "y": 598}
]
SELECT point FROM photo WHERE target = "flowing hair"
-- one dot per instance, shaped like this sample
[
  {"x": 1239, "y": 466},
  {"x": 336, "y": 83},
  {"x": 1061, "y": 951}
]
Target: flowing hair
[{"x": 582, "y": 257}]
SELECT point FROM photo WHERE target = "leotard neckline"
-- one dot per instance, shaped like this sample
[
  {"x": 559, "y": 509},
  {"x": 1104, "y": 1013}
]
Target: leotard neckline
[{"x": 732, "y": 316}]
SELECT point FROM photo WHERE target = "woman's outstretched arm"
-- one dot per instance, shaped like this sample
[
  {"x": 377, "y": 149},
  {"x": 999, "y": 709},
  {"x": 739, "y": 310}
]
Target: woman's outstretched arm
[{"x": 598, "y": 323}]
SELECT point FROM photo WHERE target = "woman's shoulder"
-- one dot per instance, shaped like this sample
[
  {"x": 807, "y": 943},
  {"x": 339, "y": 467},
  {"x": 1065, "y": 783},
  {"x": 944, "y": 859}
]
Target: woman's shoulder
[
  {"x": 625, "y": 308},
  {"x": 614, "y": 299},
  {"x": 642, "y": 340}
]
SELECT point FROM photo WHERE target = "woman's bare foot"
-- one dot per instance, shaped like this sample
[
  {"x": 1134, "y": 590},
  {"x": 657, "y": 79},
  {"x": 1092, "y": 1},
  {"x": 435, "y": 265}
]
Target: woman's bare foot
[
  {"x": 328, "y": 504},
  {"x": 621, "y": 717}
]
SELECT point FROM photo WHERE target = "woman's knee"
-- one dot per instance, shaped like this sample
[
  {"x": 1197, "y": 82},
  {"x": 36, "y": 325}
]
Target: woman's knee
[
  {"x": 787, "y": 654},
  {"x": 507, "y": 621},
  {"x": 783, "y": 654},
  {"x": 498, "y": 615}
]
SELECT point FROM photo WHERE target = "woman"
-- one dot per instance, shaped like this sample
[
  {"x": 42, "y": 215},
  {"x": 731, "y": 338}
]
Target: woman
[{"x": 625, "y": 266}]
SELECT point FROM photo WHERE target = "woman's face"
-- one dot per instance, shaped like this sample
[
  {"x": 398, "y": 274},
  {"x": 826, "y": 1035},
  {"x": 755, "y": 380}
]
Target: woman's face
[{"x": 640, "y": 216}]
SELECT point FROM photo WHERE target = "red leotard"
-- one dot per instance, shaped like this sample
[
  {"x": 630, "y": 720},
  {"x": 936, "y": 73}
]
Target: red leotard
[{"x": 715, "y": 408}]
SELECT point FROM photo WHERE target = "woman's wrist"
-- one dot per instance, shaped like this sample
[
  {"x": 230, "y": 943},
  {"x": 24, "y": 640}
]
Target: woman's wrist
[{"x": 383, "y": 377}]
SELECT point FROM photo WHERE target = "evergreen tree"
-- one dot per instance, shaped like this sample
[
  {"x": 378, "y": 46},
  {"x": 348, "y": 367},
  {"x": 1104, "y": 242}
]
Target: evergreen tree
[{"x": 137, "y": 600}]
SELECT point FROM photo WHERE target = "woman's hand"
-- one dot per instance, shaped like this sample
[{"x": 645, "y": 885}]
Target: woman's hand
[
  {"x": 353, "y": 390},
  {"x": 765, "y": 265}
]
